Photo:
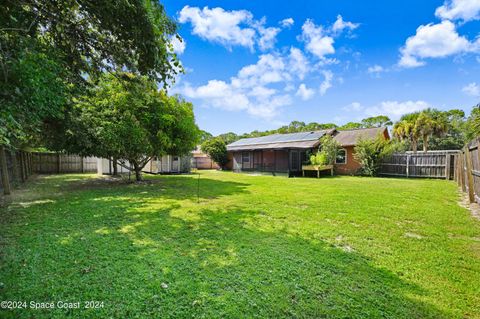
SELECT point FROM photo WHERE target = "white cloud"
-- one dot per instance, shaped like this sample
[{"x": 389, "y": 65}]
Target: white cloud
[
  {"x": 249, "y": 90},
  {"x": 286, "y": 23},
  {"x": 354, "y": 106},
  {"x": 316, "y": 39},
  {"x": 319, "y": 40},
  {"x": 218, "y": 25},
  {"x": 341, "y": 25},
  {"x": 472, "y": 89},
  {"x": 327, "y": 82},
  {"x": 304, "y": 93},
  {"x": 434, "y": 41},
  {"x": 268, "y": 37},
  {"x": 178, "y": 45},
  {"x": 298, "y": 63},
  {"x": 375, "y": 69},
  {"x": 395, "y": 109},
  {"x": 465, "y": 10}
]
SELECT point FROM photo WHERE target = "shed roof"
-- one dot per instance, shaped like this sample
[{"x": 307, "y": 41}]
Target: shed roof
[
  {"x": 350, "y": 137},
  {"x": 278, "y": 141}
]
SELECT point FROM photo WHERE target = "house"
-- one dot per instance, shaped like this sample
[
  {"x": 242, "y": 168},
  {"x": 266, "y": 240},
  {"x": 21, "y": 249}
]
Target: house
[
  {"x": 201, "y": 160},
  {"x": 284, "y": 154},
  {"x": 166, "y": 164}
]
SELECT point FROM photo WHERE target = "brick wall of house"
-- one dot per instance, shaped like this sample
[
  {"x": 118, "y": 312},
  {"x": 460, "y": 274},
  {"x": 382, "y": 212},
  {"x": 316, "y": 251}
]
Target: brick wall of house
[{"x": 351, "y": 166}]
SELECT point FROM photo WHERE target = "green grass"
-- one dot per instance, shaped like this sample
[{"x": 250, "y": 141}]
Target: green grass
[{"x": 253, "y": 246}]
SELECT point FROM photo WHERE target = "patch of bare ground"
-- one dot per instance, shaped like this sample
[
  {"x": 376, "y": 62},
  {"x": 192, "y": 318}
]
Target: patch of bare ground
[{"x": 474, "y": 208}]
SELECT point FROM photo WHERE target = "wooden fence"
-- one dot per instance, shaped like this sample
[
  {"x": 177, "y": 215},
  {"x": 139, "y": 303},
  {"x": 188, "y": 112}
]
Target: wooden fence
[
  {"x": 433, "y": 164},
  {"x": 15, "y": 167},
  {"x": 55, "y": 163},
  {"x": 468, "y": 170}
]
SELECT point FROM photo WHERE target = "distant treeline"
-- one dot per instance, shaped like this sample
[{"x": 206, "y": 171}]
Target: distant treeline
[{"x": 457, "y": 128}]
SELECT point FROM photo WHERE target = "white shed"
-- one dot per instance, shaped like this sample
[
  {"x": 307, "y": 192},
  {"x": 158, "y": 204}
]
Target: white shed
[{"x": 166, "y": 164}]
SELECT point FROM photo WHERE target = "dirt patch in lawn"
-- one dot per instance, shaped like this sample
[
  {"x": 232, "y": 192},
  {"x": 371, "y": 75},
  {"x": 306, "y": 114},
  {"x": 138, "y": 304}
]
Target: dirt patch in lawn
[{"x": 473, "y": 207}]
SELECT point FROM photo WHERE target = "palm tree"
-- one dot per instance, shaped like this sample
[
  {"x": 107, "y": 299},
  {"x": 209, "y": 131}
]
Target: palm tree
[
  {"x": 404, "y": 130},
  {"x": 430, "y": 123}
]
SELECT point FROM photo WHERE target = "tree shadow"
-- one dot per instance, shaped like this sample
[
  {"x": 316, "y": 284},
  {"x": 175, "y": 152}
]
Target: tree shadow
[{"x": 168, "y": 262}]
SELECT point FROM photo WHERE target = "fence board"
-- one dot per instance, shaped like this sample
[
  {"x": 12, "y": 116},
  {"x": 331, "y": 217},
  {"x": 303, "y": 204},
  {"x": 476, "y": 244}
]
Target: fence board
[
  {"x": 50, "y": 163},
  {"x": 433, "y": 164}
]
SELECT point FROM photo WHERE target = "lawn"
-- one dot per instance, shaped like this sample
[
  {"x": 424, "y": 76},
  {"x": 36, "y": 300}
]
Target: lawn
[{"x": 247, "y": 246}]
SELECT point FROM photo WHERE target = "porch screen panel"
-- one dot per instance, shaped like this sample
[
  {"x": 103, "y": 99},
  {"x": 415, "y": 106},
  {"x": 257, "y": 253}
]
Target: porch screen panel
[
  {"x": 281, "y": 161},
  {"x": 237, "y": 161},
  {"x": 269, "y": 161},
  {"x": 257, "y": 160}
]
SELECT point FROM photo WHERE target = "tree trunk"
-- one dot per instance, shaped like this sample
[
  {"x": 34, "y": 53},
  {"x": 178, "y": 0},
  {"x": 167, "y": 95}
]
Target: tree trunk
[
  {"x": 138, "y": 171},
  {"x": 425, "y": 144},
  {"x": 115, "y": 168},
  {"x": 414, "y": 146}
]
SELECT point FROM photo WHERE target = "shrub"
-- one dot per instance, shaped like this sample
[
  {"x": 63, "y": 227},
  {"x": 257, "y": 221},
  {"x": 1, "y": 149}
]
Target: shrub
[
  {"x": 370, "y": 153},
  {"x": 319, "y": 159},
  {"x": 217, "y": 150},
  {"x": 327, "y": 153}
]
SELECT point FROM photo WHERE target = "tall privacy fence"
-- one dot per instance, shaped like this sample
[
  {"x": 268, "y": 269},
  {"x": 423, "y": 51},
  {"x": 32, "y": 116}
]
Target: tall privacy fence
[
  {"x": 17, "y": 166},
  {"x": 56, "y": 163},
  {"x": 433, "y": 164},
  {"x": 468, "y": 170}
]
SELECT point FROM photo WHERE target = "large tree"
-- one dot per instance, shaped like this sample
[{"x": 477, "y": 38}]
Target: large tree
[
  {"x": 376, "y": 121},
  {"x": 126, "y": 117},
  {"x": 47, "y": 46}
]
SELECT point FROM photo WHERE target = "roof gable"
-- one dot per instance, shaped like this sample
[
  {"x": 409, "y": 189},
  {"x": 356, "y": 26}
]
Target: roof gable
[{"x": 350, "y": 137}]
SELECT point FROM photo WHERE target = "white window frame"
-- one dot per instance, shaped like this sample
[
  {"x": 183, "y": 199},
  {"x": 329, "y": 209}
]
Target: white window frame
[{"x": 346, "y": 156}]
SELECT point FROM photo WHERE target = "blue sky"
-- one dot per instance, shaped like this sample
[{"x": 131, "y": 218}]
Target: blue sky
[{"x": 261, "y": 64}]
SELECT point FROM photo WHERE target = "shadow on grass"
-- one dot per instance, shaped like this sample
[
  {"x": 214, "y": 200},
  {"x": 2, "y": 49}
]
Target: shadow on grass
[{"x": 165, "y": 262}]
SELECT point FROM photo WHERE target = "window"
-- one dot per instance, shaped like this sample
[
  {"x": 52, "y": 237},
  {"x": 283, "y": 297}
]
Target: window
[
  {"x": 245, "y": 157},
  {"x": 175, "y": 158},
  {"x": 341, "y": 157}
]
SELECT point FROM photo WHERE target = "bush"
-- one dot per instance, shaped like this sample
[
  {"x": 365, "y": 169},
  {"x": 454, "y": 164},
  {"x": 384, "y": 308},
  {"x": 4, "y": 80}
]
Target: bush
[
  {"x": 319, "y": 159},
  {"x": 217, "y": 150},
  {"x": 370, "y": 153}
]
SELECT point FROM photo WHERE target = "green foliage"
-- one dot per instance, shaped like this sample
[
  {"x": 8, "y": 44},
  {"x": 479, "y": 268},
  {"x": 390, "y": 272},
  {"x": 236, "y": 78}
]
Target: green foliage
[
  {"x": 229, "y": 137},
  {"x": 351, "y": 125},
  {"x": 370, "y": 153},
  {"x": 320, "y": 158},
  {"x": 421, "y": 126},
  {"x": 472, "y": 126},
  {"x": 125, "y": 116},
  {"x": 217, "y": 150},
  {"x": 376, "y": 121},
  {"x": 49, "y": 49},
  {"x": 93, "y": 36},
  {"x": 33, "y": 94},
  {"x": 329, "y": 146},
  {"x": 327, "y": 153},
  {"x": 204, "y": 136}
]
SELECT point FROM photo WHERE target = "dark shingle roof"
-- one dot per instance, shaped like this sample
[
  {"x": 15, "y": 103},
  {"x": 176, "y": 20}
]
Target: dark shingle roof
[{"x": 350, "y": 137}]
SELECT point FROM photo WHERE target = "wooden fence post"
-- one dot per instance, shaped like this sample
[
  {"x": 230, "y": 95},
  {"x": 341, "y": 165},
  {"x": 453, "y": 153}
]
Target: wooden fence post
[
  {"x": 27, "y": 164},
  {"x": 58, "y": 163},
  {"x": 4, "y": 171},
  {"x": 447, "y": 166},
  {"x": 407, "y": 171},
  {"x": 464, "y": 184},
  {"x": 468, "y": 159},
  {"x": 16, "y": 172},
  {"x": 81, "y": 164}
]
